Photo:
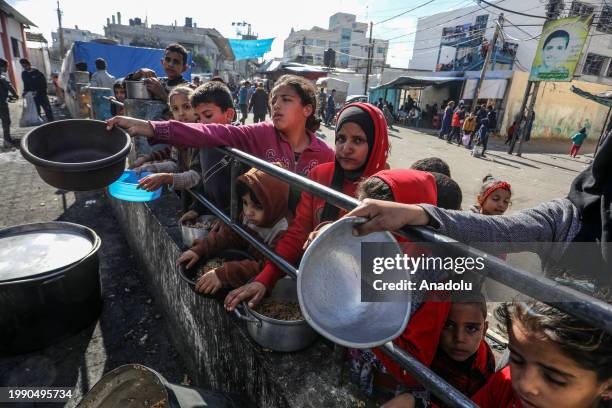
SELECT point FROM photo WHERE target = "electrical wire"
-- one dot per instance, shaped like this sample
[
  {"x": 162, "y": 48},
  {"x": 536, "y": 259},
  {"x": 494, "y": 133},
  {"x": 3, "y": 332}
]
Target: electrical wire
[
  {"x": 513, "y": 12},
  {"x": 405, "y": 12}
]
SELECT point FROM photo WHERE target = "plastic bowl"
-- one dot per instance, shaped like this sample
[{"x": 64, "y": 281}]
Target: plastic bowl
[
  {"x": 77, "y": 154},
  {"x": 126, "y": 188}
]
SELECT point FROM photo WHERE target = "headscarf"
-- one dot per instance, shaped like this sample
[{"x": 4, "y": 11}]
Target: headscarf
[
  {"x": 591, "y": 193},
  {"x": 372, "y": 122}
]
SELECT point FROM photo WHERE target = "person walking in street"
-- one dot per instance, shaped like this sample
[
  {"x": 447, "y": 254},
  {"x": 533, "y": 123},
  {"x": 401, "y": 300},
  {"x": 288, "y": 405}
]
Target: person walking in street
[
  {"x": 35, "y": 81},
  {"x": 446, "y": 120},
  {"x": 5, "y": 88},
  {"x": 101, "y": 78},
  {"x": 331, "y": 108},
  {"x": 322, "y": 105},
  {"x": 259, "y": 104},
  {"x": 456, "y": 124},
  {"x": 243, "y": 101},
  {"x": 577, "y": 141}
]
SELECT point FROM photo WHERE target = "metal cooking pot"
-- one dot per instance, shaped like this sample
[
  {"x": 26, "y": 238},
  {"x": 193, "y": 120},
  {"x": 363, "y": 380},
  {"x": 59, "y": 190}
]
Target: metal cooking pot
[
  {"x": 329, "y": 289},
  {"x": 49, "y": 284},
  {"x": 137, "y": 90},
  {"x": 137, "y": 386},
  {"x": 77, "y": 154},
  {"x": 278, "y": 335},
  {"x": 81, "y": 77},
  {"x": 190, "y": 234}
]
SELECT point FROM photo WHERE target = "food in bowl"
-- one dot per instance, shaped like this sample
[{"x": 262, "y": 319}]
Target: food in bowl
[
  {"x": 211, "y": 264},
  {"x": 280, "y": 309},
  {"x": 205, "y": 224}
]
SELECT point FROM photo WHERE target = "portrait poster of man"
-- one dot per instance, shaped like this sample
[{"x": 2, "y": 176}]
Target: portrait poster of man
[{"x": 559, "y": 49}]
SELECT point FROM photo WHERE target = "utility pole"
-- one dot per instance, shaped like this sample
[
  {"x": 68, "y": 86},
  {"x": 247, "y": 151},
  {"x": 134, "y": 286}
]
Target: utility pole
[
  {"x": 485, "y": 67},
  {"x": 534, "y": 96},
  {"x": 369, "y": 66},
  {"x": 521, "y": 113},
  {"x": 60, "y": 31}
]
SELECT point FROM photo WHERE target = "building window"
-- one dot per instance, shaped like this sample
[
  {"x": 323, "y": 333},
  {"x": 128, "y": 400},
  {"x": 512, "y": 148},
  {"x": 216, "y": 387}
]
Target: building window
[
  {"x": 605, "y": 20},
  {"x": 554, "y": 9},
  {"x": 481, "y": 21},
  {"x": 346, "y": 34},
  {"x": 15, "y": 45},
  {"x": 593, "y": 64},
  {"x": 380, "y": 50},
  {"x": 308, "y": 41},
  {"x": 580, "y": 9},
  {"x": 320, "y": 43}
]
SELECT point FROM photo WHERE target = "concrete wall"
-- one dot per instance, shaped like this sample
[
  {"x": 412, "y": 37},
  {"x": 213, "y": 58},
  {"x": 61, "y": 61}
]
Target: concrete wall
[
  {"x": 560, "y": 113},
  {"x": 215, "y": 345}
]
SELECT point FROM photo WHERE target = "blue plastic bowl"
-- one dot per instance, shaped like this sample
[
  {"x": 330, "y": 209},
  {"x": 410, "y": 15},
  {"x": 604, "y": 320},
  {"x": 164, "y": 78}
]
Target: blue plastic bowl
[{"x": 125, "y": 188}]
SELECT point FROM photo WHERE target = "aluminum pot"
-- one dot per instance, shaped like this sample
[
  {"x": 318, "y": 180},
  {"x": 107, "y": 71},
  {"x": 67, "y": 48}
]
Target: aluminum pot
[
  {"x": 49, "y": 284},
  {"x": 77, "y": 154},
  {"x": 137, "y": 386},
  {"x": 137, "y": 90},
  {"x": 278, "y": 335},
  {"x": 190, "y": 233},
  {"x": 81, "y": 77}
]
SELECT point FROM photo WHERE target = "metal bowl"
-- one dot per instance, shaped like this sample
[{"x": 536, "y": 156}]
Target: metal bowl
[
  {"x": 190, "y": 234},
  {"x": 278, "y": 335},
  {"x": 329, "y": 289},
  {"x": 77, "y": 154},
  {"x": 137, "y": 90}
]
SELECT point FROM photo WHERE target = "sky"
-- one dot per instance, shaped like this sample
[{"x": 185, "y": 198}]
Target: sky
[{"x": 267, "y": 18}]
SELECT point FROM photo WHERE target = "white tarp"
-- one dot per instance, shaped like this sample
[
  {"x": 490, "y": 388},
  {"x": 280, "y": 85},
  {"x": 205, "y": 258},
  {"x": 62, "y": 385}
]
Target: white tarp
[{"x": 491, "y": 89}]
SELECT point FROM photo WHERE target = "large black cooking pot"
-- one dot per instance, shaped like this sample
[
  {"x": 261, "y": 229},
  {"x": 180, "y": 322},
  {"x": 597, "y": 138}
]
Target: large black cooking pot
[
  {"x": 77, "y": 154},
  {"x": 137, "y": 386},
  {"x": 49, "y": 284}
]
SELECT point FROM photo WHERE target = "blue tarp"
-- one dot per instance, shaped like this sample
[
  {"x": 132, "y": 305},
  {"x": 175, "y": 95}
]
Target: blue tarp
[
  {"x": 245, "y": 49},
  {"x": 123, "y": 59}
]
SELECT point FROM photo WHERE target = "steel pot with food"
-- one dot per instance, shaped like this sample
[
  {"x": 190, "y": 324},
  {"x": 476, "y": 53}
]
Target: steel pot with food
[
  {"x": 197, "y": 229},
  {"x": 277, "y": 322}
]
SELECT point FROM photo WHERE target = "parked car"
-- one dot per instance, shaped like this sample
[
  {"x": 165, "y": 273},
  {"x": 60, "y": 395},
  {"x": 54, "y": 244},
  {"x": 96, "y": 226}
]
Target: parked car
[{"x": 356, "y": 98}]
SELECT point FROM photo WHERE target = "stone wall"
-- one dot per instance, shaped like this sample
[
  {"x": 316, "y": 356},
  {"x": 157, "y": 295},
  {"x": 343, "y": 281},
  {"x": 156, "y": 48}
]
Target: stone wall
[{"x": 215, "y": 345}]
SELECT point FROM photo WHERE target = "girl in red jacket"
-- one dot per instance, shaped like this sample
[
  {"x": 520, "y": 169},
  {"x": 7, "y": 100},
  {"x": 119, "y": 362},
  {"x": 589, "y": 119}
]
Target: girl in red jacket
[
  {"x": 556, "y": 361},
  {"x": 362, "y": 147}
]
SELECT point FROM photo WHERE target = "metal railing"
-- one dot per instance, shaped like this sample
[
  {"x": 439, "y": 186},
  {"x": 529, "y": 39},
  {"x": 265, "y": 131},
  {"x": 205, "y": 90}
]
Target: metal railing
[{"x": 571, "y": 301}]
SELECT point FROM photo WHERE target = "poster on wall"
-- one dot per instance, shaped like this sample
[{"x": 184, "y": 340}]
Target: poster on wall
[{"x": 559, "y": 49}]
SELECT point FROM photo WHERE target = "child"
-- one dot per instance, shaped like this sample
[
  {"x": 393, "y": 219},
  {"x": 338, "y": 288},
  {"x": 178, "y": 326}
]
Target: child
[
  {"x": 456, "y": 124},
  {"x": 482, "y": 137},
  {"x": 493, "y": 198},
  {"x": 288, "y": 139},
  {"x": 449, "y": 193},
  {"x": 432, "y": 164},
  {"x": 264, "y": 212},
  {"x": 182, "y": 170},
  {"x": 119, "y": 92},
  {"x": 577, "y": 141},
  {"x": 469, "y": 126},
  {"x": 449, "y": 337},
  {"x": 362, "y": 146},
  {"x": 174, "y": 64}
]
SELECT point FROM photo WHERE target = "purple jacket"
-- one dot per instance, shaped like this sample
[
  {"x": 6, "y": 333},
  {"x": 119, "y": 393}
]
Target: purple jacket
[{"x": 261, "y": 140}]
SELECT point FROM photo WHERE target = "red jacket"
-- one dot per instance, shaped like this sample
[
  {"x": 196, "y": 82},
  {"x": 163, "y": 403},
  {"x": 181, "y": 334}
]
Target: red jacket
[
  {"x": 310, "y": 207},
  {"x": 498, "y": 392}
]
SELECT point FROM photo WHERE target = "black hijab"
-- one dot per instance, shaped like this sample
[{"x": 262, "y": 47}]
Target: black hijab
[
  {"x": 591, "y": 193},
  {"x": 362, "y": 118}
]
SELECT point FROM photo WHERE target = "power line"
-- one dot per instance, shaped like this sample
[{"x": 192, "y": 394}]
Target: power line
[
  {"x": 513, "y": 12},
  {"x": 405, "y": 12}
]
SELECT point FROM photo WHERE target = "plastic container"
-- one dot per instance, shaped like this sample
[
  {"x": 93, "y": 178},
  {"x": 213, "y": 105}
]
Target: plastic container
[{"x": 126, "y": 188}]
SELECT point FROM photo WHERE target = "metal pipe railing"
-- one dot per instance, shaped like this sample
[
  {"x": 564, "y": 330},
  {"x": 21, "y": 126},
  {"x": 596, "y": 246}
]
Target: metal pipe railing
[{"x": 571, "y": 301}]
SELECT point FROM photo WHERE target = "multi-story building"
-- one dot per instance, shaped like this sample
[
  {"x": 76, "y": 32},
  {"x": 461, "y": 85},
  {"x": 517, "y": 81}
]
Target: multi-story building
[
  {"x": 13, "y": 46},
  {"x": 346, "y": 36},
  {"x": 71, "y": 35},
  {"x": 139, "y": 33}
]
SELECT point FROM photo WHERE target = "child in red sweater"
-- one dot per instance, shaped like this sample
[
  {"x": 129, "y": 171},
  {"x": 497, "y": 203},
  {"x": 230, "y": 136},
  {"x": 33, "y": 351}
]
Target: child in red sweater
[
  {"x": 264, "y": 213},
  {"x": 556, "y": 361}
]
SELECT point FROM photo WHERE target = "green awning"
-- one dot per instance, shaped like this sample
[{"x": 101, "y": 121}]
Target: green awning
[{"x": 604, "y": 98}]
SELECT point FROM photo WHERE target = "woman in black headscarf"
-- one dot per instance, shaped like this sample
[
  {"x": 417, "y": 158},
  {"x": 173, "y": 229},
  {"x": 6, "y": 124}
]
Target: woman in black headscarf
[{"x": 584, "y": 216}]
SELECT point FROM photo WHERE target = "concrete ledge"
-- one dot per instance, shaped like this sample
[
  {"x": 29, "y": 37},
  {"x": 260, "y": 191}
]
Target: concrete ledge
[{"x": 215, "y": 346}]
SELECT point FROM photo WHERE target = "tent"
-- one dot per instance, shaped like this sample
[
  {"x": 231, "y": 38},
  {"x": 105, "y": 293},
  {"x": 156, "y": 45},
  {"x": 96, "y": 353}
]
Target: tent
[
  {"x": 122, "y": 59},
  {"x": 417, "y": 81}
]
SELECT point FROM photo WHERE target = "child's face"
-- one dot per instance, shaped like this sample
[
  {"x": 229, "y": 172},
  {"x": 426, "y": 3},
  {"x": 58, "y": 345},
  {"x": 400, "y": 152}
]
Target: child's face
[
  {"x": 173, "y": 64},
  {"x": 119, "y": 94},
  {"x": 496, "y": 203},
  {"x": 182, "y": 110},
  {"x": 351, "y": 146},
  {"x": 464, "y": 330},
  {"x": 288, "y": 113},
  {"x": 211, "y": 113},
  {"x": 254, "y": 213},
  {"x": 544, "y": 377}
]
